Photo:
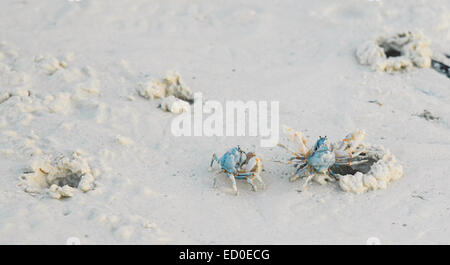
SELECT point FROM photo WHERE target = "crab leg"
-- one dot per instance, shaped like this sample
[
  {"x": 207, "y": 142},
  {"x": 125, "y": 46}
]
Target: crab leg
[
  {"x": 294, "y": 178},
  {"x": 307, "y": 181},
  {"x": 351, "y": 163},
  {"x": 289, "y": 150},
  {"x": 233, "y": 181},
  {"x": 259, "y": 179},
  {"x": 282, "y": 162},
  {"x": 300, "y": 165},
  {"x": 331, "y": 173},
  {"x": 299, "y": 173},
  {"x": 296, "y": 158},
  {"x": 215, "y": 179},
  {"x": 341, "y": 154},
  {"x": 214, "y": 158},
  {"x": 251, "y": 177},
  {"x": 250, "y": 181},
  {"x": 359, "y": 158}
]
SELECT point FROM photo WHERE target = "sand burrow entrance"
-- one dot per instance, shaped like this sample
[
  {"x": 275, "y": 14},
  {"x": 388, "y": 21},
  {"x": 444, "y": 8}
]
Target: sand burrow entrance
[{"x": 59, "y": 177}]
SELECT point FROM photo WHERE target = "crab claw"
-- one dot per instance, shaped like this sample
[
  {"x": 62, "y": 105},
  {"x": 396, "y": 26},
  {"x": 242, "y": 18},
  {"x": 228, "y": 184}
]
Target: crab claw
[
  {"x": 296, "y": 137},
  {"x": 352, "y": 140}
]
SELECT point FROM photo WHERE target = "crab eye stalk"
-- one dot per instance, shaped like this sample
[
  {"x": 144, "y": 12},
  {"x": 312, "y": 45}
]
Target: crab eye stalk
[{"x": 240, "y": 150}]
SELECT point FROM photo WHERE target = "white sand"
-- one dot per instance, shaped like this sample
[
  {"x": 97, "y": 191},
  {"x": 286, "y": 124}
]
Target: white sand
[{"x": 69, "y": 74}]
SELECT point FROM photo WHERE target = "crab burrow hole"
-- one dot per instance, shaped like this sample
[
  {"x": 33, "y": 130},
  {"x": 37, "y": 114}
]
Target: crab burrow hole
[
  {"x": 376, "y": 172},
  {"x": 60, "y": 177},
  {"x": 390, "y": 50}
]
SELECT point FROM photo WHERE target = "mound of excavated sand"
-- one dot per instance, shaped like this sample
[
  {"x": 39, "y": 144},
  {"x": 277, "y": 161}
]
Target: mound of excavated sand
[
  {"x": 402, "y": 51},
  {"x": 381, "y": 169},
  {"x": 175, "y": 93},
  {"x": 59, "y": 177}
]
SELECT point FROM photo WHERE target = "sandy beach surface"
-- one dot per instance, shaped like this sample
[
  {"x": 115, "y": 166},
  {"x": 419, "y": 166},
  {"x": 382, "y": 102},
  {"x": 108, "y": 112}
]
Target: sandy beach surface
[{"x": 69, "y": 74}]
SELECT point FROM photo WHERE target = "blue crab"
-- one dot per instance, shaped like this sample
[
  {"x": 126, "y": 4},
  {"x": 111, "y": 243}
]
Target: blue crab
[
  {"x": 237, "y": 164},
  {"x": 320, "y": 161}
]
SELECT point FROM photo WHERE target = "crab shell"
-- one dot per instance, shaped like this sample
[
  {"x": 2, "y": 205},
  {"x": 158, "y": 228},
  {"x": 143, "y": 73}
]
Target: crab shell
[
  {"x": 231, "y": 159},
  {"x": 323, "y": 157}
]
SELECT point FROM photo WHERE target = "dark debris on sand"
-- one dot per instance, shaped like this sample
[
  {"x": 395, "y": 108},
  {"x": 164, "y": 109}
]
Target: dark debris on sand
[{"x": 427, "y": 115}]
